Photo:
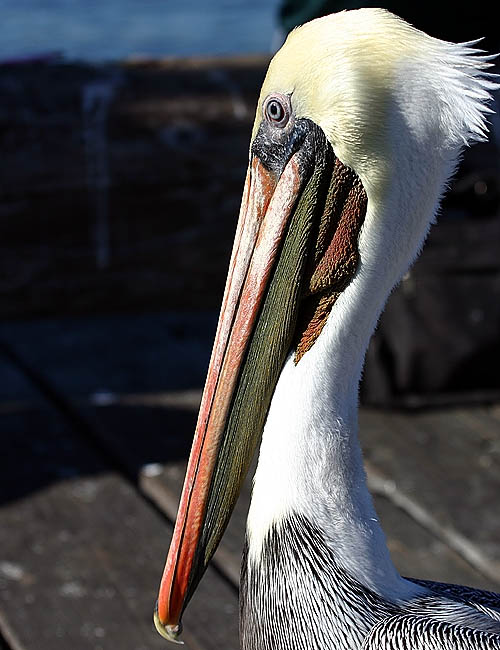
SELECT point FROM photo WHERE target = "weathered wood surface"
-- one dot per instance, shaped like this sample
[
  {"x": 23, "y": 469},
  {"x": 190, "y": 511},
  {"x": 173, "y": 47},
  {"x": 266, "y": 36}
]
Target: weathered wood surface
[
  {"x": 446, "y": 464},
  {"x": 81, "y": 550},
  {"x": 81, "y": 546},
  {"x": 416, "y": 551},
  {"x": 105, "y": 544},
  {"x": 163, "y": 352}
]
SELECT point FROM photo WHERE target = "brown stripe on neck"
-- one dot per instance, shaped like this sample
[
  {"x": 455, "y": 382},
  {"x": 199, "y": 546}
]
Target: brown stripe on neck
[{"x": 336, "y": 255}]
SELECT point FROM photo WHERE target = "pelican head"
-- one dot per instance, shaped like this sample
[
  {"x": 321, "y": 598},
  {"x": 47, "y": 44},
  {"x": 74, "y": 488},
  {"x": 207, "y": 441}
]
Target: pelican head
[{"x": 359, "y": 124}]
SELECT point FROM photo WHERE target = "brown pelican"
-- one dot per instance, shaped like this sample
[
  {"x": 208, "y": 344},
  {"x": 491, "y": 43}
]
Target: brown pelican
[{"x": 359, "y": 125}]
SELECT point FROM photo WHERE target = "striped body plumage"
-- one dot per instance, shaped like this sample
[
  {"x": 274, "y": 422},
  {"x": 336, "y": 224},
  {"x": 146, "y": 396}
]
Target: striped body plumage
[{"x": 298, "y": 596}]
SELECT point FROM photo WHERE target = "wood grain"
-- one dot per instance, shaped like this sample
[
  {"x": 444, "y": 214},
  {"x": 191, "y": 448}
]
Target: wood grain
[
  {"x": 418, "y": 550},
  {"x": 81, "y": 548},
  {"x": 443, "y": 467},
  {"x": 82, "y": 552}
]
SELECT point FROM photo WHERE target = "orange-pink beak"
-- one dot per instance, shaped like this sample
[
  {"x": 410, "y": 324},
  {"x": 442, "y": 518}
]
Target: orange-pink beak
[{"x": 267, "y": 204}]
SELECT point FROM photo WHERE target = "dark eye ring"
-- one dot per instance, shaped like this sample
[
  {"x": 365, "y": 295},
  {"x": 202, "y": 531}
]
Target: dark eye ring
[{"x": 276, "y": 111}]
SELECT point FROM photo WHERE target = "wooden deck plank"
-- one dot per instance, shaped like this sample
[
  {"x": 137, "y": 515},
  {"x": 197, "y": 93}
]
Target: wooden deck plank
[
  {"x": 164, "y": 488},
  {"x": 388, "y": 448},
  {"x": 81, "y": 552},
  {"x": 3, "y": 644},
  {"x": 443, "y": 466},
  {"x": 153, "y": 443},
  {"x": 416, "y": 551}
]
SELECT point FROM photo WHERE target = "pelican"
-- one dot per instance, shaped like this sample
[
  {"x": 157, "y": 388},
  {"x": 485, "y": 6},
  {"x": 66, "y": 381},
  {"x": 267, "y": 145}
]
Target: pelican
[{"x": 360, "y": 123}]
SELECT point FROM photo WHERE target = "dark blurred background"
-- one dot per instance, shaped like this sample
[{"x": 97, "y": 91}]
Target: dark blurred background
[
  {"x": 122, "y": 167},
  {"x": 124, "y": 130}
]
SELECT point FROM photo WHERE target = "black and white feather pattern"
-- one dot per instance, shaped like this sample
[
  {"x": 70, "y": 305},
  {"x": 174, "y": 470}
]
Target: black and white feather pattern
[
  {"x": 407, "y": 632},
  {"x": 297, "y": 596}
]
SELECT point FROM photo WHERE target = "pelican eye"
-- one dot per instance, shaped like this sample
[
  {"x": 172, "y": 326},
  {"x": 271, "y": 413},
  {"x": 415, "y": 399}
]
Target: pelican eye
[{"x": 276, "y": 110}]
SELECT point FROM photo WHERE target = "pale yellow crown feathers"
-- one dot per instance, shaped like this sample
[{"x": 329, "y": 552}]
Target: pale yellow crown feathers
[{"x": 351, "y": 72}]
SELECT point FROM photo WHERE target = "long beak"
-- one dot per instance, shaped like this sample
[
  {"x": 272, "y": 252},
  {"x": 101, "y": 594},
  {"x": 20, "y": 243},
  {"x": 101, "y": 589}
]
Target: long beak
[
  {"x": 265, "y": 211},
  {"x": 278, "y": 220}
]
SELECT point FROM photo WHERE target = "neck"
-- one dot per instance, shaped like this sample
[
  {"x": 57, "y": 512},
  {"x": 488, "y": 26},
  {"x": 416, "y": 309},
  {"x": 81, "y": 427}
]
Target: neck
[
  {"x": 310, "y": 465},
  {"x": 310, "y": 461}
]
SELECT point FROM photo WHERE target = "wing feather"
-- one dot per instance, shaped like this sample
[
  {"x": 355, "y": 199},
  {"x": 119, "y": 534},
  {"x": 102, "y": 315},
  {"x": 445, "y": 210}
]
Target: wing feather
[
  {"x": 408, "y": 632},
  {"x": 487, "y": 602}
]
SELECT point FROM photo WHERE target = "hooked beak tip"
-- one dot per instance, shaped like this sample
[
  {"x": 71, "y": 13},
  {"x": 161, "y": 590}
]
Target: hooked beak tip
[{"x": 169, "y": 632}]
